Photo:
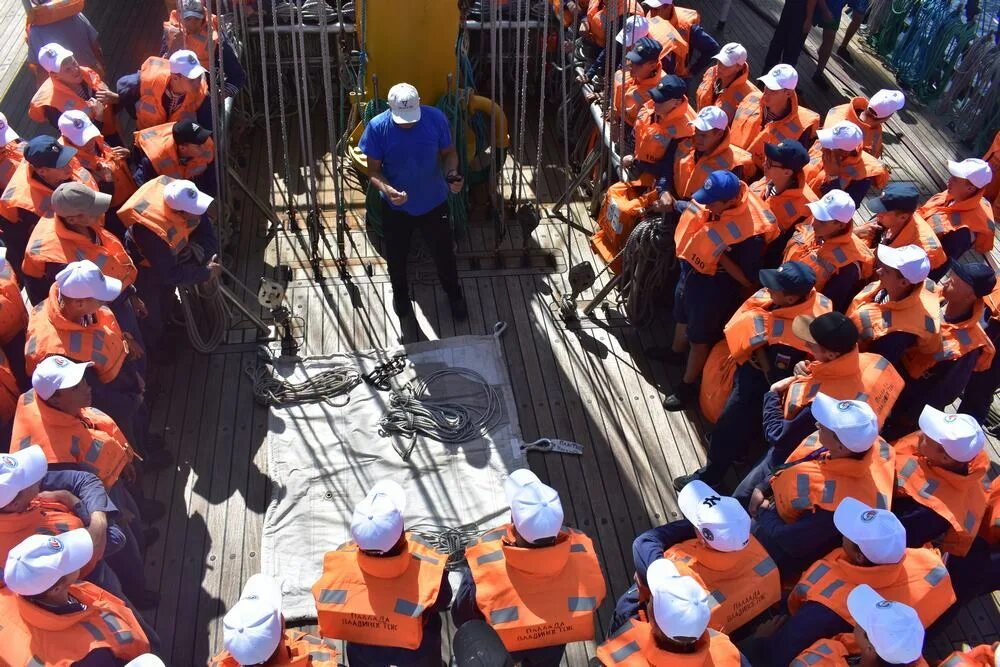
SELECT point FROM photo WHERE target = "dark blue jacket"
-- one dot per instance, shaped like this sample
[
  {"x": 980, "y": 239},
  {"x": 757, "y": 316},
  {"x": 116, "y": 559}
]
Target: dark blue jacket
[
  {"x": 128, "y": 90},
  {"x": 142, "y": 243}
]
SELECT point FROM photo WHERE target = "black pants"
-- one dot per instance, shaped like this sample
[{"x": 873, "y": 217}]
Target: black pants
[
  {"x": 788, "y": 39},
  {"x": 435, "y": 229}
]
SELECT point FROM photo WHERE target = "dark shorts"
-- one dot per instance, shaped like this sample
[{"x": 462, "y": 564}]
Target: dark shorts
[{"x": 704, "y": 303}]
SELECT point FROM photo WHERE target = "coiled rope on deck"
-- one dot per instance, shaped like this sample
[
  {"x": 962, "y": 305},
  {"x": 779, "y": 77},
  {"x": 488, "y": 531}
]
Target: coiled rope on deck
[
  {"x": 206, "y": 315},
  {"x": 647, "y": 261},
  {"x": 269, "y": 389}
]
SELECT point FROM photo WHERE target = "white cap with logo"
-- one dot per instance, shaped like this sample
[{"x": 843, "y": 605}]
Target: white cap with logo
[
  {"x": 186, "y": 64},
  {"x": 834, "y": 205},
  {"x": 146, "y": 660},
  {"x": 404, "y": 103},
  {"x": 731, "y": 54},
  {"x": 77, "y": 127},
  {"x": 251, "y": 630},
  {"x": 680, "y": 604},
  {"x": 844, "y": 136},
  {"x": 84, "y": 280},
  {"x": 720, "y": 520},
  {"x": 886, "y": 102},
  {"x": 377, "y": 522},
  {"x": 657, "y": 3},
  {"x": 854, "y": 422},
  {"x": 960, "y": 436},
  {"x": 55, "y": 373},
  {"x": 910, "y": 260},
  {"x": 52, "y": 55},
  {"x": 185, "y": 196},
  {"x": 7, "y": 133},
  {"x": 710, "y": 118},
  {"x": 893, "y": 628},
  {"x": 36, "y": 564},
  {"x": 976, "y": 171},
  {"x": 878, "y": 533},
  {"x": 535, "y": 508},
  {"x": 19, "y": 470},
  {"x": 781, "y": 77},
  {"x": 634, "y": 29}
]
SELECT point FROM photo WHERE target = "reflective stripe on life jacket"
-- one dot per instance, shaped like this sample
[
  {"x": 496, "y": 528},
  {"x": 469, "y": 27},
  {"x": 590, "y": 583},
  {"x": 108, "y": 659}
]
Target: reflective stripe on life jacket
[
  {"x": 757, "y": 323},
  {"x": 653, "y": 136},
  {"x": 13, "y": 314},
  {"x": 989, "y": 527},
  {"x": 158, "y": 144},
  {"x": 973, "y": 214},
  {"x": 859, "y": 377},
  {"x": 919, "y": 313},
  {"x": 957, "y": 340},
  {"x": 537, "y": 597},
  {"x": 960, "y": 499},
  {"x": 359, "y": 598},
  {"x": 918, "y": 232},
  {"x": 148, "y": 208},
  {"x": 599, "y": 22},
  {"x": 828, "y": 257},
  {"x": 788, "y": 206},
  {"x": 851, "y": 169},
  {"x": 730, "y": 98},
  {"x": 821, "y": 483},
  {"x": 297, "y": 649},
  {"x": 749, "y": 132},
  {"x": 623, "y": 208},
  {"x": 52, "y": 242},
  {"x": 631, "y": 94},
  {"x": 691, "y": 170},
  {"x": 984, "y": 655},
  {"x": 55, "y": 93},
  {"x": 11, "y": 155},
  {"x": 852, "y": 111},
  {"x": 97, "y": 154},
  {"x": 839, "y": 651},
  {"x": 30, "y": 194},
  {"x": 176, "y": 38},
  {"x": 53, "y": 11},
  {"x": 43, "y": 517},
  {"x": 633, "y": 646},
  {"x": 154, "y": 76}
]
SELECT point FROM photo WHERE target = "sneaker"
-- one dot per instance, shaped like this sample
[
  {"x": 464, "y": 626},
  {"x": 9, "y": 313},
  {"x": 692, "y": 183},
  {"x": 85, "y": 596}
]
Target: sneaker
[
  {"x": 845, "y": 55},
  {"x": 684, "y": 396},
  {"x": 820, "y": 80},
  {"x": 720, "y": 27},
  {"x": 667, "y": 355},
  {"x": 459, "y": 311},
  {"x": 403, "y": 307},
  {"x": 684, "y": 480}
]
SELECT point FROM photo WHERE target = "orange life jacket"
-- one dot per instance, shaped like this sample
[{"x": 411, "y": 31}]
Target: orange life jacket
[
  {"x": 691, "y": 170},
  {"x": 90, "y": 439},
  {"x": 99, "y": 154},
  {"x": 633, "y": 646},
  {"x": 853, "y": 376},
  {"x": 788, "y": 206},
  {"x": 919, "y": 314},
  {"x": 202, "y": 43},
  {"x": 52, "y": 242},
  {"x": 852, "y": 168},
  {"x": 992, "y": 191},
  {"x": 750, "y": 133},
  {"x": 358, "y": 596},
  {"x": 673, "y": 43},
  {"x": 918, "y": 232},
  {"x": 158, "y": 145},
  {"x": 541, "y": 597},
  {"x": 730, "y": 97},
  {"x": 599, "y": 22},
  {"x": 567, "y": 16},
  {"x": 154, "y": 76},
  {"x": 55, "y": 93},
  {"x": 700, "y": 240},
  {"x": 757, "y": 323},
  {"x": 820, "y": 483},
  {"x": 13, "y": 314},
  {"x": 852, "y": 111},
  {"x": 920, "y": 580},
  {"x": 623, "y": 208},
  {"x": 43, "y": 517},
  {"x": 9, "y": 391},
  {"x": 148, "y": 208},
  {"x": 840, "y": 651},
  {"x": 742, "y": 585},
  {"x": 51, "y": 333},
  {"x": 989, "y": 527},
  {"x": 297, "y": 649},
  {"x": 653, "y": 135},
  {"x": 29, "y": 193},
  {"x": 983, "y": 655},
  {"x": 631, "y": 94},
  {"x": 11, "y": 155},
  {"x": 830, "y": 256},
  {"x": 713, "y": 396},
  {"x": 973, "y": 214},
  {"x": 961, "y": 499},
  {"x": 31, "y": 635},
  {"x": 53, "y": 11},
  {"x": 957, "y": 340},
  {"x": 685, "y": 20}
]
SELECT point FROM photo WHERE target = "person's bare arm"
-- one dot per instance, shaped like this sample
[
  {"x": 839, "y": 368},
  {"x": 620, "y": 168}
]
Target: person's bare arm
[
  {"x": 382, "y": 185},
  {"x": 455, "y": 179}
]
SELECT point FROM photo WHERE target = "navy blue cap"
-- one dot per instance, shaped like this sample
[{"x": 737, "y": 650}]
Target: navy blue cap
[
  {"x": 719, "y": 186},
  {"x": 789, "y": 154},
  {"x": 670, "y": 87},
  {"x": 790, "y": 277},
  {"x": 45, "y": 151},
  {"x": 645, "y": 50},
  {"x": 977, "y": 275},
  {"x": 896, "y": 197}
]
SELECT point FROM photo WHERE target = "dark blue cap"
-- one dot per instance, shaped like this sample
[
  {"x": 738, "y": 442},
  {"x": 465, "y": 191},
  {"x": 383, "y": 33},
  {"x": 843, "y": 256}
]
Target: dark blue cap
[
  {"x": 645, "y": 50},
  {"x": 789, "y": 154},
  {"x": 790, "y": 277},
  {"x": 896, "y": 197},
  {"x": 719, "y": 186},
  {"x": 670, "y": 87},
  {"x": 45, "y": 151},
  {"x": 977, "y": 275}
]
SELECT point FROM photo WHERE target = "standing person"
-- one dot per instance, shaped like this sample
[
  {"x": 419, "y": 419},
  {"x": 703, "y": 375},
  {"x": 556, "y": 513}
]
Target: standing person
[
  {"x": 726, "y": 83},
  {"x": 164, "y": 91},
  {"x": 197, "y": 30},
  {"x": 633, "y": 84},
  {"x": 790, "y": 34},
  {"x": 99, "y": 158},
  {"x": 183, "y": 150},
  {"x": 406, "y": 147},
  {"x": 62, "y": 22},
  {"x": 829, "y": 20},
  {"x": 687, "y": 22}
]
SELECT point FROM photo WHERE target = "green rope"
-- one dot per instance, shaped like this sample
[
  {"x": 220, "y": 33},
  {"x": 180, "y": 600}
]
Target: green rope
[
  {"x": 456, "y": 107},
  {"x": 373, "y": 198}
]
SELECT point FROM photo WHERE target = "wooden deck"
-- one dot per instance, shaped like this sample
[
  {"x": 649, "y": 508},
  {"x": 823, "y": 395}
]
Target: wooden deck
[{"x": 589, "y": 384}]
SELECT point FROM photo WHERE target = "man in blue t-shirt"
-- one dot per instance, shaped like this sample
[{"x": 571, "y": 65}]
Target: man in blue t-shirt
[{"x": 406, "y": 147}]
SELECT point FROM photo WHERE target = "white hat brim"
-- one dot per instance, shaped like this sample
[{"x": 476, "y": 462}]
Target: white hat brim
[{"x": 404, "y": 116}]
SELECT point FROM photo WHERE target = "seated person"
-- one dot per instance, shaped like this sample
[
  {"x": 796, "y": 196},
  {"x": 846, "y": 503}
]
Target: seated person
[
  {"x": 868, "y": 114},
  {"x": 961, "y": 216},
  {"x": 726, "y": 83},
  {"x": 897, "y": 223},
  {"x": 838, "y": 162},
  {"x": 72, "y": 87}
]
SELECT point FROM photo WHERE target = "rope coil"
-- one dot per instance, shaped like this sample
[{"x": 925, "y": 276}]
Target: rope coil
[{"x": 271, "y": 390}]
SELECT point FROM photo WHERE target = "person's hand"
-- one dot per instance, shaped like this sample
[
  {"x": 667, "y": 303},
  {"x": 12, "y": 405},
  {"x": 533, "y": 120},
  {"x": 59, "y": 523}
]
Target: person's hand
[
  {"x": 666, "y": 201},
  {"x": 801, "y": 369},
  {"x": 95, "y": 109},
  {"x": 757, "y": 503},
  {"x": 396, "y": 198},
  {"x": 103, "y": 173},
  {"x": 139, "y": 306},
  {"x": 781, "y": 386},
  {"x": 62, "y": 497},
  {"x": 106, "y": 96},
  {"x": 135, "y": 350},
  {"x": 214, "y": 268},
  {"x": 455, "y": 181},
  {"x": 628, "y": 162},
  {"x": 770, "y": 626},
  {"x": 121, "y": 152},
  {"x": 98, "y": 530}
]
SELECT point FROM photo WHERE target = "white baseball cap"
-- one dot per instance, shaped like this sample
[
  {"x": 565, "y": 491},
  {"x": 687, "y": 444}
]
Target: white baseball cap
[
  {"x": 720, "y": 520},
  {"x": 404, "y": 103},
  {"x": 976, "y": 171},
  {"x": 516, "y": 481},
  {"x": 893, "y": 628},
  {"x": 878, "y": 533},
  {"x": 185, "y": 196},
  {"x": 680, "y": 604},
  {"x": 55, "y": 373},
  {"x": 19, "y": 470},
  {"x": 76, "y": 126},
  {"x": 910, "y": 260},
  {"x": 657, "y": 3},
  {"x": 834, "y": 205},
  {"x": 844, "y": 136},
  {"x": 854, "y": 422},
  {"x": 186, "y": 64},
  {"x": 146, "y": 660},
  {"x": 377, "y": 522},
  {"x": 960, "y": 435},
  {"x": 84, "y": 280},
  {"x": 52, "y": 55},
  {"x": 781, "y": 77},
  {"x": 251, "y": 630},
  {"x": 710, "y": 118},
  {"x": 537, "y": 512},
  {"x": 7, "y": 133},
  {"x": 36, "y": 564},
  {"x": 635, "y": 28},
  {"x": 885, "y": 102},
  {"x": 731, "y": 54}
]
